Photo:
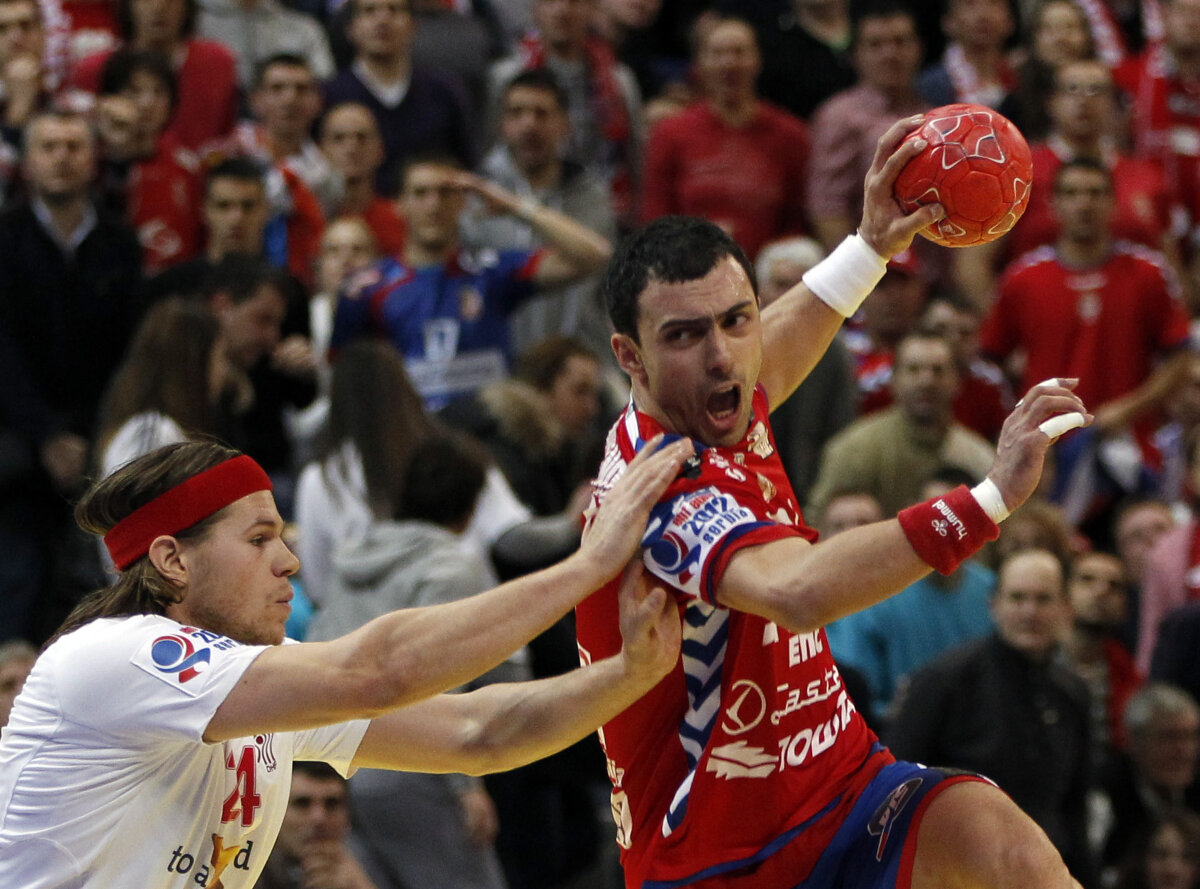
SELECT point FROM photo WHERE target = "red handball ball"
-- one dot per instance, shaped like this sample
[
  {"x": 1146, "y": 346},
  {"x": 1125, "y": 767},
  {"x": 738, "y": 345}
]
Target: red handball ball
[{"x": 977, "y": 165}]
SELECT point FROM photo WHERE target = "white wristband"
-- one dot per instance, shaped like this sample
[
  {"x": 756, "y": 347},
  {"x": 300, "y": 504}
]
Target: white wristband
[
  {"x": 844, "y": 278},
  {"x": 988, "y": 496}
]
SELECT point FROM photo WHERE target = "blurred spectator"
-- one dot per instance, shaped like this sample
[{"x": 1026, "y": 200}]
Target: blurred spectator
[
  {"x": 1166, "y": 856},
  {"x": 255, "y": 30},
  {"x": 285, "y": 100},
  {"x": 1162, "y": 725},
  {"x": 24, "y": 85},
  {"x": 849, "y": 509},
  {"x": 421, "y": 830},
  {"x": 1176, "y": 658},
  {"x": 417, "y": 110},
  {"x": 315, "y": 848},
  {"x": 886, "y": 318},
  {"x": 155, "y": 186},
  {"x": 1165, "y": 112},
  {"x": 730, "y": 157},
  {"x": 70, "y": 281},
  {"x": 825, "y": 403},
  {"x": 1170, "y": 578},
  {"x": 892, "y": 639},
  {"x": 1121, "y": 28},
  {"x": 1092, "y": 308},
  {"x": 242, "y": 214},
  {"x": 349, "y": 139},
  {"x": 846, "y": 128},
  {"x": 376, "y": 419},
  {"x": 985, "y": 397},
  {"x": 806, "y": 54},
  {"x": 1084, "y": 125},
  {"x": 973, "y": 67},
  {"x": 1037, "y": 524},
  {"x": 16, "y": 660},
  {"x": 539, "y": 425},
  {"x": 1003, "y": 706},
  {"x": 205, "y": 70},
  {"x": 1174, "y": 439},
  {"x": 1096, "y": 591},
  {"x": 446, "y": 309},
  {"x": 528, "y": 161},
  {"x": 894, "y": 453},
  {"x": 627, "y": 27},
  {"x": 603, "y": 101},
  {"x": 1057, "y": 33},
  {"x": 1138, "y": 523},
  {"x": 266, "y": 339},
  {"x": 168, "y": 387}
]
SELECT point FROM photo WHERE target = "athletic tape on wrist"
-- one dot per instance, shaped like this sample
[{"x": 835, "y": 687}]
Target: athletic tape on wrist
[
  {"x": 844, "y": 278},
  {"x": 988, "y": 496},
  {"x": 946, "y": 530}
]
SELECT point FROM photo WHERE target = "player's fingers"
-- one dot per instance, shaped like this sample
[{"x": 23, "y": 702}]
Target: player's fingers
[
  {"x": 892, "y": 137},
  {"x": 1052, "y": 383},
  {"x": 1062, "y": 423}
]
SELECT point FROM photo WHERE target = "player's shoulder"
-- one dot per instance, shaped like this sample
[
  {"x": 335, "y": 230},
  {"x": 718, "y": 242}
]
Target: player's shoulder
[{"x": 1140, "y": 255}]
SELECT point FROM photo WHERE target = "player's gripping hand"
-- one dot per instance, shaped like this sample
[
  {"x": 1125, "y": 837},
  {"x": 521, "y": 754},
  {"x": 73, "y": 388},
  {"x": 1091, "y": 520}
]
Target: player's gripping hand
[
  {"x": 886, "y": 227},
  {"x": 615, "y": 530},
  {"x": 1047, "y": 411},
  {"x": 650, "y": 629}
]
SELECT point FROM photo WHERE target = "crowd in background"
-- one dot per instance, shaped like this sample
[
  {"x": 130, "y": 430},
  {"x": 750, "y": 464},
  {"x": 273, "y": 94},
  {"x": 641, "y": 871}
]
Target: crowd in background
[{"x": 361, "y": 240}]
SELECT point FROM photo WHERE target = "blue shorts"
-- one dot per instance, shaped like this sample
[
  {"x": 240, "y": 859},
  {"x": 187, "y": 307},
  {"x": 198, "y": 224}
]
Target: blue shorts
[{"x": 874, "y": 847}]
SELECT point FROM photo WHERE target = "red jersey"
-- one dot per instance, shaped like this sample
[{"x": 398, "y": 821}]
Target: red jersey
[
  {"x": 388, "y": 226},
  {"x": 164, "y": 200},
  {"x": 746, "y": 756},
  {"x": 1142, "y": 211},
  {"x": 749, "y": 180},
  {"x": 1105, "y": 325},
  {"x": 1166, "y": 119}
]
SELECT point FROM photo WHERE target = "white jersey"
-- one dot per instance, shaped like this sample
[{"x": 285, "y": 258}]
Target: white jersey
[{"x": 105, "y": 780}]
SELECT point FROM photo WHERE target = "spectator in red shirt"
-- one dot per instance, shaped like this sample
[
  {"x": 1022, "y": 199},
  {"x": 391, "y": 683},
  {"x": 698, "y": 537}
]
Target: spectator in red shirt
[
  {"x": 730, "y": 157},
  {"x": 1090, "y": 307},
  {"x": 208, "y": 91},
  {"x": 156, "y": 186},
  {"x": 1083, "y": 124}
]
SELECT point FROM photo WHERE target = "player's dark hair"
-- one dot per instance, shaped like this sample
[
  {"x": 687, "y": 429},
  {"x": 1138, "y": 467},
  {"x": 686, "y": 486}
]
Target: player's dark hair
[
  {"x": 540, "y": 79},
  {"x": 140, "y": 589},
  {"x": 244, "y": 169},
  {"x": 446, "y": 473},
  {"x": 431, "y": 158},
  {"x": 125, "y": 19},
  {"x": 1093, "y": 164},
  {"x": 374, "y": 407},
  {"x": 541, "y": 364},
  {"x": 285, "y": 59},
  {"x": 118, "y": 69},
  {"x": 240, "y": 275},
  {"x": 671, "y": 249}
]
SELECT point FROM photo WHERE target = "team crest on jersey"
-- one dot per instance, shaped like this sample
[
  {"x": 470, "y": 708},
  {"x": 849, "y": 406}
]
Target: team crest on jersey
[
  {"x": 178, "y": 658},
  {"x": 759, "y": 441},
  {"x": 470, "y": 303}
]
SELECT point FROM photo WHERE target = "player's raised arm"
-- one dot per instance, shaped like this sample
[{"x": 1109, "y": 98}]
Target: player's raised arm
[
  {"x": 798, "y": 326},
  {"x": 405, "y": 656},
  {"x": 803, "y": 586}
]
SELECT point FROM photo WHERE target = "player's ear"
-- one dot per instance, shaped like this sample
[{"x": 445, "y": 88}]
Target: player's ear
[
  {"x": 166, "y": 556},
  {"x": 629, "y": 356}
]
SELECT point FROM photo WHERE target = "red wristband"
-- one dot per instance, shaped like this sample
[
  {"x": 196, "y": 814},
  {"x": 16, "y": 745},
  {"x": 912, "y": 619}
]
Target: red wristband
[{"x": 946, "y": 530}]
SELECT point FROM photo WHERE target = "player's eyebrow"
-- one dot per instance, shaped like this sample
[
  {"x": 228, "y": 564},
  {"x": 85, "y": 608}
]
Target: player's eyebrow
[{"x": 705, "y": 320}]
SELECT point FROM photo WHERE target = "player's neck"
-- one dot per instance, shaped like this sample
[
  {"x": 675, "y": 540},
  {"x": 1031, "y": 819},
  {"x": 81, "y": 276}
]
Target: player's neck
[
  {"x": 418, "y": 255},
  {"x": 1080, "y": 253}
]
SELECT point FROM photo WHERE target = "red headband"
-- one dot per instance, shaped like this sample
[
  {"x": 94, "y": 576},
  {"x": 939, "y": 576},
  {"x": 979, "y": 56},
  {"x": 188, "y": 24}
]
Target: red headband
[{"x": 183, "y": 506}]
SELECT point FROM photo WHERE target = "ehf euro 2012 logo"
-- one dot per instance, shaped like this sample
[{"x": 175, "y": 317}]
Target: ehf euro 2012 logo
[{"x": 176, "y": 654}]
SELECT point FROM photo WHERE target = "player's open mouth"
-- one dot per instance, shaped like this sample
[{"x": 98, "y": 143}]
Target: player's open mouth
[{"x": 724, "y": 402}]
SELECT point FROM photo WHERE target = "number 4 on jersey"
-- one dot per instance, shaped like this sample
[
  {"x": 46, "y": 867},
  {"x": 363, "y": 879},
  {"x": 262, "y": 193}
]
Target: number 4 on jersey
[{"x": 244, "y": 798}]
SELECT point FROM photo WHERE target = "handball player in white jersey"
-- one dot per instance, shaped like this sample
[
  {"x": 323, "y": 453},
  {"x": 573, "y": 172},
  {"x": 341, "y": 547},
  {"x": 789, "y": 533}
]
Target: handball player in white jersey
[{"x": 153, "y": 742}]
